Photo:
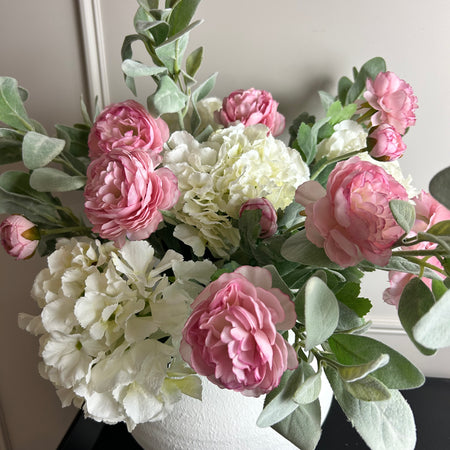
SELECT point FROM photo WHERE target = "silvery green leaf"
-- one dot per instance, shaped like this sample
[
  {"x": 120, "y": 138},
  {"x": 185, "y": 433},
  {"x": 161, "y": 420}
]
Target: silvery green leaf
[
  {"x": 440, "y": 228},
  {"x": 10, "y": 146},
  {"x": 47, "y": 179},
  {"x": 404, "y": 213},
  {"x": 193, "y": 61},
  {"x": 326, "y": 99},
  {"x": 12, "y": 111},
  {"x": 204, "y": 89},
  {"x": 168, "y": 98},
  {"x": 298, "y": 248},
  {"x": 39, "y": 150},
  {"x": 277, "y": 281},
  {"x": 309, "y": 389},
  {"x": 368, "y": 389},
  {"x": 357, "y": 372},
  {"x": 181, "y": 15},
  {"x": 384, "y": 425},
  {"x": 440, "y": 187},
  {"x": 416, "y": 300},
  {"x": 18, "y": 197},
  {"x": 400, "y": 373},
  {"x": 134, "y": 69},
  {"x": 321, "y": 311},
  {"x": 433, "y": 329}
]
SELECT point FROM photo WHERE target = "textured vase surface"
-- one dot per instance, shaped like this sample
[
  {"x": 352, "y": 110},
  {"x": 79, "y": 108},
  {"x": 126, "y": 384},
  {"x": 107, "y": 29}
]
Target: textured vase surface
[{"x": 223, "y": 420}]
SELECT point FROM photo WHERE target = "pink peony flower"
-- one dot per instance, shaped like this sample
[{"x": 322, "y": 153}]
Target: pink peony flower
[
  {"x": 128, "y": 126},
  {"x": 393, "y": 99},
  {"x": 231, "y": 336},
  {"x": 268, "y": 220},
  {"x": 251, "y": 107},
  {"x": 124, "y": 195},
  {"x": 389, "y": 144},
  {"x": 352, "y": 220},
  {"x": 428, "y": 213},
  {"x": 19, "y": 236}
]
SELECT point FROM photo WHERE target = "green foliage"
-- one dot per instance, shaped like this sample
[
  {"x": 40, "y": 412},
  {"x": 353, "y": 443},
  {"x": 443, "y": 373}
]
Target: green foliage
[
  {"x": 10, "y": 146},
  {"x": 383, "y": 425},
  {"x": 318, "y": 309},
  {"x": 354, "y": 350},
  {"x": 432, "y": 330},
  {"x": 404, "y": 214},
  {"x": 48, "y": 179},
  {"x": 296, "y": 421},
  {"x": 416, "y": 300},
  {"x": 349, "y": 296},
  {"x": 39, "y": 150},
  {"x": 440, "y": 187}
]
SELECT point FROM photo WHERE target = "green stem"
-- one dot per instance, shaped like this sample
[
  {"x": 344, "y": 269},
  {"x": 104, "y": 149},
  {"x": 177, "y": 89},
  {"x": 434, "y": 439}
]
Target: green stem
[{"x": 71, "y": 230}]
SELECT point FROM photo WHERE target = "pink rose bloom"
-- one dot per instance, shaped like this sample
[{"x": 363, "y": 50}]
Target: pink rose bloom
[
  {"x": 124, "y": 195},
  {"x": 352, "y": 220},
  {"x": 389, "y": 144},
  {"x": 128, "y": 126},
  {"x": 251, "y": 107},
  {"x": 231, "y": 336},
  {"x": 428, "y": 213},
  {"x": 268, "y": 220},
  {"x": 20, "y": 237},
  {"x": 393, "y": 99}
]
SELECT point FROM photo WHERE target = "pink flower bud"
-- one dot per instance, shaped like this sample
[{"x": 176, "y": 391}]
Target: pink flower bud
[
  {"x": 251, "y": 107},
  {"x": 389, "y": 144},
  {"x": 19, "y": 236},
  {"x": 393, "y": 99},
  {"x": 268, "y": 220}
]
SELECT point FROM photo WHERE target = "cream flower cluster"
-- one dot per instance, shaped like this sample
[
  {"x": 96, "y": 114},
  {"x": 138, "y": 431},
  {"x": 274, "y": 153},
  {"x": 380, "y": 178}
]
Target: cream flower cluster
[
  {"x": 216, "y": 177},
  {"x": 111, "y": 325}
]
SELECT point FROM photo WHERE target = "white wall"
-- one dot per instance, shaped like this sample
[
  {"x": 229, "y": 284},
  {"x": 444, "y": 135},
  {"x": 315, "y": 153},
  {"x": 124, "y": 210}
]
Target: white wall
[{"x": 290, "y": 47}]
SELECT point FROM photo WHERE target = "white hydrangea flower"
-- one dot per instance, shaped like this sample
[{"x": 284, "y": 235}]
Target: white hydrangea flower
[
  {"x": 216, "y": 177},
  {"x": 349, "y": 136},
  {"x": 110, "y": 327}
]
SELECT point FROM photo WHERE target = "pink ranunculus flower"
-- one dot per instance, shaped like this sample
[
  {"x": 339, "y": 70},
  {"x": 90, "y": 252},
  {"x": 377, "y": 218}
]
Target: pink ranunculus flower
[
  {"x": 393, "y": 99},
  {"x": 389, "y": 144},
  {"x": 19, "y": 236},
  {"x": 128, "y": 126},
  {"x": 268, "y": 220},
  {"x": 352, "y": 220},
  {"x": 250, "y": 107},
  {"x": 231, "y": 336},
  {"x": 124, "y": 195},
  {"x": 428, "y": 213}
]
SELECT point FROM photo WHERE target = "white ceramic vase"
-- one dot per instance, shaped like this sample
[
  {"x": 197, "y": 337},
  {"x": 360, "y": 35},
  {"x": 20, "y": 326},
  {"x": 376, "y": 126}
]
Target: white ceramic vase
[{"x": 223, "y": 420}]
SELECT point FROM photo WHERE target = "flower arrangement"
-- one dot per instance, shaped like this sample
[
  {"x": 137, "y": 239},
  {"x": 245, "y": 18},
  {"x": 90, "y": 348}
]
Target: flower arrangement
[{"x": 210, "y": 247}]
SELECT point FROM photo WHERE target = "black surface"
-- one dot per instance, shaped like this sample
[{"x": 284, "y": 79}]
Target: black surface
[{"x": 430, "y": 405}]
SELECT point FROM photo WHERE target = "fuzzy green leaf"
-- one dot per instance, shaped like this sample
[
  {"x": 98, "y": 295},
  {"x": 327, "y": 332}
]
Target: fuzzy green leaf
[
  {"x": 384, "y": 425},
  {"x": 368, "y": 389},
  {"x": 39, "y": 150},
  {"x": 47, "y": 179},
  {"x": 433, "y": 330},
  {"x": 12, "y": 111},
  {"x": 404, "y": 214},
  {"x": 181, "y": 15},
  {"x": 440, "y": 187},
  {"x": 416, "y": 300},
  {"x": 10, "y": 146},
  {"x": 352, "y": 349},
  {"x": 135, "y": 69},
  {"x": 168, "y": 98}
]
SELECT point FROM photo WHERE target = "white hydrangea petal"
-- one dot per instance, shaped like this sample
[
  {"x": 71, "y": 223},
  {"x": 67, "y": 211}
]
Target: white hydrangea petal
[
  {"x": 32, "y": 324},
  {"x": 200, "y": 270},
  {"x": 139, "y": 328},
  {"x": 190, "y": 236},
  {"x": 102, "y": 407},
  {"x": 58, "y": 315}
]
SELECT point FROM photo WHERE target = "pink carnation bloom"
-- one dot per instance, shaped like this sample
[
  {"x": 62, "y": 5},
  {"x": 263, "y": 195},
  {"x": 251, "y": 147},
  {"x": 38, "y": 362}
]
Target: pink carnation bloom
[
  {"x": 428, "y": 213},
  {"x": 19, "y": 236},
  {"x": 124, "y": 195},
  {"x": 251, "y": 107},
  {"x": 393, "y": 99},
  {"x": 128, "y": 126},
  {"x": 231, "y": 336},
  {"x": 389, "y": 144},
  {"x": 352, "y": 220},
  {"x": 268, "y": 220}
]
